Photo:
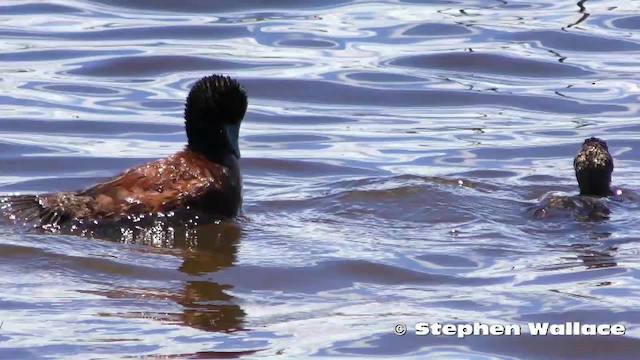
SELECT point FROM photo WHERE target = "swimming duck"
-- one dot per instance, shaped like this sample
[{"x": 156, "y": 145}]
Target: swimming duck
[
  {"x": 203, "y": 177},
  {"x": 593, "y": 167}
]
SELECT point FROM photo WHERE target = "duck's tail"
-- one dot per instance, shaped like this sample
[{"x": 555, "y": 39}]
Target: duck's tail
[{"x": 29, "y": 209}]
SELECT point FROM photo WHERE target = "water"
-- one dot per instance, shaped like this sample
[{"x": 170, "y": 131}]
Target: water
[{"x": 390, "y": 154}]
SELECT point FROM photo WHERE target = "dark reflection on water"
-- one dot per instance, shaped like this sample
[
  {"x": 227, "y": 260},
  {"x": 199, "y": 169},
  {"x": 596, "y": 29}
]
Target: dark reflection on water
[
  {"x": 436, "y": 30},
  {"x": 144, "y": 66},
  {"x": 492, "y": 64},
  {"x": 205, "y": 6},
  {"x": 342, "y": 94},
  {"x": 631, "y": 23},
  {"x": 393, "y": 152},
  {"x": 205, "y": 305},
  {"x": 561, "y": 40}
]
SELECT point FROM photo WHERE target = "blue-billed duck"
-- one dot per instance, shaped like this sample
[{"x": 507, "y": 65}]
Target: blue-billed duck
[
  {"x": 593, "y": 167},
  {"x": 204, "y": 177}
]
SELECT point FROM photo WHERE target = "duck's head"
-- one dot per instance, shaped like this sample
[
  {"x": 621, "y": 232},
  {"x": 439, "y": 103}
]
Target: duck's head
[
  {"x": 593, "y": 166},
  {"x": 213, "y": 112}
]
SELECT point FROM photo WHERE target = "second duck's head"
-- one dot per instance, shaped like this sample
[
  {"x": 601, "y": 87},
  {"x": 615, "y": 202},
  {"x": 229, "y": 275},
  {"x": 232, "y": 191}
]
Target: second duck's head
[
  {"x": 593, "y": 166},
  {"x": 213, "y": 112}
]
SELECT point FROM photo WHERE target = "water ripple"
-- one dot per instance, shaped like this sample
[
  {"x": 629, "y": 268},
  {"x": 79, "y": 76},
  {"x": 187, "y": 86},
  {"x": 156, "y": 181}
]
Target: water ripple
[{"x": 392, "y": 151}]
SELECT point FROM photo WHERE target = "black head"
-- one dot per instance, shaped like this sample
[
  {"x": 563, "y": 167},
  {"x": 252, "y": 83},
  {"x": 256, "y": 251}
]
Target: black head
[
  {"x": 593, "y": 166},
  {"x": 213, "y": 112}
]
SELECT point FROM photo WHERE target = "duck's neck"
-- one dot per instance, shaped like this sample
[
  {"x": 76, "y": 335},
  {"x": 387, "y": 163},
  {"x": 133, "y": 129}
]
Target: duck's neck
[
  {"x": 597, "y": 187},
  {"x": 599, "y": 193},
  {"x": 215, "y": 154}
]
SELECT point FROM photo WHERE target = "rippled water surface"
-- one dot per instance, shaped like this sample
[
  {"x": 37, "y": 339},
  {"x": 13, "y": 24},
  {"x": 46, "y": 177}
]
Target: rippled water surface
[{"x": 391, "y": 152}]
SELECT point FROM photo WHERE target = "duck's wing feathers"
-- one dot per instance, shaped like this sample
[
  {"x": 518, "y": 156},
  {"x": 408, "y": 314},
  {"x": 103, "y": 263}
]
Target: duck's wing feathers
[
  {"x": 158, "y": 186},
  {"x": 46, "y": 209}
]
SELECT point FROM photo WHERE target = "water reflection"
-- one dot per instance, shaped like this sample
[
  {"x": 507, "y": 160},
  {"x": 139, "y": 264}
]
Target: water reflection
[
  {"x": 205, "y": 305},
  {"x": 598, "y": 259},
  {"x": 583, "y": 11}
]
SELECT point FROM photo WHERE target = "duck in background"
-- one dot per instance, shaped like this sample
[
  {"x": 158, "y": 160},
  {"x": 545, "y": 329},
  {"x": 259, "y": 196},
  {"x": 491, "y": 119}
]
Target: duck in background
[
  {"x": 204, "y": 177},
  {"x": 593, "y": 167}
]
